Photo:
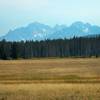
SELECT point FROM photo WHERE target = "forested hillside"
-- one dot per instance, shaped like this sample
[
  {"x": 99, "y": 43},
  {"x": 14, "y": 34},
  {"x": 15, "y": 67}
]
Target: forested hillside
[{"x": 75, "y": 47}]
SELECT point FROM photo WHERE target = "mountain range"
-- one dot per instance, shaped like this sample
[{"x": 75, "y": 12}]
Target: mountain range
[{"x": 37, "y": 31}]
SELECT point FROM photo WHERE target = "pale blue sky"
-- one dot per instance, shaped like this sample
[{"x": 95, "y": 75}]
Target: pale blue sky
[{"x": 16, "y": 13}]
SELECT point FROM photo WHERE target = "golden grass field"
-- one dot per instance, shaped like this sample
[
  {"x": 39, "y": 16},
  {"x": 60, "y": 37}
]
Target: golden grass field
[{"x": 50, "y": 79}]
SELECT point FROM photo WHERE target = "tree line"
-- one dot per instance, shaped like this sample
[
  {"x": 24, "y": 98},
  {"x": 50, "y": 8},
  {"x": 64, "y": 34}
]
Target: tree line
[{"x": 75, "y": 47}]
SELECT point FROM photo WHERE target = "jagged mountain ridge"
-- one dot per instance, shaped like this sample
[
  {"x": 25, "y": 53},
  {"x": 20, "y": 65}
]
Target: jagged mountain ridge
[{"x": 37, "y": 31}]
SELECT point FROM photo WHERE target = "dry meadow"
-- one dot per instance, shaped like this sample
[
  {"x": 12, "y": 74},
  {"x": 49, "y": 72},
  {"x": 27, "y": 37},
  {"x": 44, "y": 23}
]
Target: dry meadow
[{"x": 50, "y": 79}]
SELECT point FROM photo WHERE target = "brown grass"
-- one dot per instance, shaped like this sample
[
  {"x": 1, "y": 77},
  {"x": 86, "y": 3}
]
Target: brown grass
[
  {"x": 50, "y": 79},
  {"x": 50, "y": 92},
  {"x": 51, "y": 70}
]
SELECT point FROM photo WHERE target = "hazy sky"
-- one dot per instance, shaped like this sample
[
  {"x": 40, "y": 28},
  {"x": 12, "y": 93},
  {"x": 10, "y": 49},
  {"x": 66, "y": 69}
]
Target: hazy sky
[{"x": 16, "y": 13}]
